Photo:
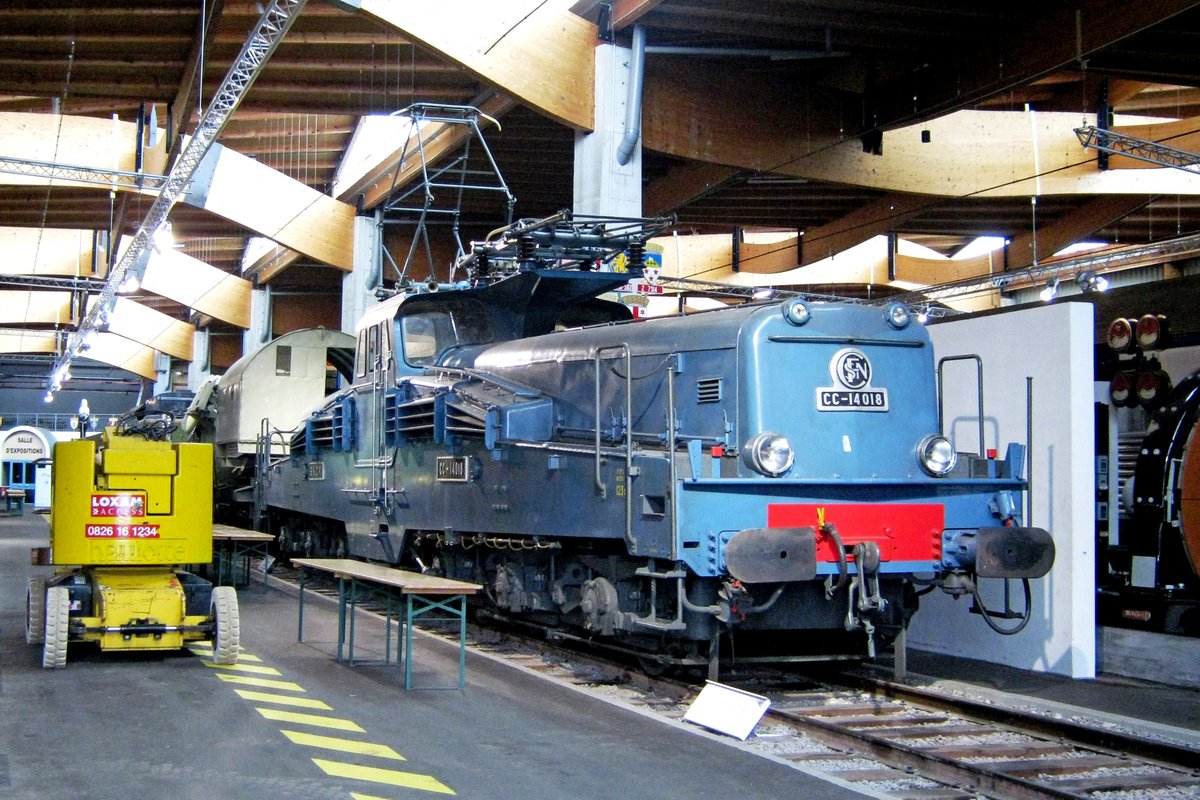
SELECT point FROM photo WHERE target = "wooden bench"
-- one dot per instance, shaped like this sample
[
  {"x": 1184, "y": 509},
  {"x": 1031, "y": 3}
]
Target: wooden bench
[
  {"x": 14, "y": 500},
  {"x": 422, "y": 594},
  {"x": 233, "y": 547}
]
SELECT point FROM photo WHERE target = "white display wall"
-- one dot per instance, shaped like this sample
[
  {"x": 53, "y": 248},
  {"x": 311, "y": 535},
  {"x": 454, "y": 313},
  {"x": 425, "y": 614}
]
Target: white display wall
[{"x": 1053, "y": 345}]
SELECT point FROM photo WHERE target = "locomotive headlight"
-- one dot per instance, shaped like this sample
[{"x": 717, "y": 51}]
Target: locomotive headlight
[
  {"x": 936, "y": 454},
  {"x": 1120, "y": 335},
  {"x": 1151, "y": 332},
  {"x": 897, "y": 315},
  {"x": 770, "y": 454},
  {"x": 796, "y": 312}
]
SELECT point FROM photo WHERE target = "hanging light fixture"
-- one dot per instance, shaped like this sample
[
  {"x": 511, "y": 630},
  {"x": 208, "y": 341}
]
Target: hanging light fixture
[
  {"x": 1091, "y": 282},
  {"x": 1051, "y": 290}
]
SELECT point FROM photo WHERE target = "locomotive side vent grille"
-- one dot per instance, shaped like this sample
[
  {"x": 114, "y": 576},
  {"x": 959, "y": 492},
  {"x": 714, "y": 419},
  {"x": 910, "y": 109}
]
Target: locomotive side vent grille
[
  {"x": 708, "y": 390},
  {"x": 411, "y": 420},
  {"x": 462, "y": 422},
  {"x": 320, "y": 433}
]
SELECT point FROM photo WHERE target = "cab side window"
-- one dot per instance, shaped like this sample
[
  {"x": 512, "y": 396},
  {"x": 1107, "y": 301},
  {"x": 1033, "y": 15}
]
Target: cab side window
[
  {"x": 360, "y": 355},
  {"x": 426, "y": 336}
]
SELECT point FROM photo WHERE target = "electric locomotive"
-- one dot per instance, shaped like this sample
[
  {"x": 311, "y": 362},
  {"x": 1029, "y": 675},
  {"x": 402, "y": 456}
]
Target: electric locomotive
[{"x": 769, "y": 476}]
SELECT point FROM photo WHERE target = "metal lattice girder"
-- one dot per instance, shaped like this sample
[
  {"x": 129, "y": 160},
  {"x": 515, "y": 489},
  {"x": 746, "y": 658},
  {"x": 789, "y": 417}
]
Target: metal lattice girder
[
  {"x": 1067, "y": 268},
  {"x": 112, "y": 178},
  {"x": 271, "y": 29},
  {"x": 43, "y": 282},
  {"x": 1122, "y": 144}
]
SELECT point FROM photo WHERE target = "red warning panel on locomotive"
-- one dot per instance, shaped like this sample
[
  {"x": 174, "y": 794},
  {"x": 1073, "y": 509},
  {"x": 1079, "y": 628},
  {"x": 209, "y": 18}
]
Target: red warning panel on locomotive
[{"x": 903, "y": 531}]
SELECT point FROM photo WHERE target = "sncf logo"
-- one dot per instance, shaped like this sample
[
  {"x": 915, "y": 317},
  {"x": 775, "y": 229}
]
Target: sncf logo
[{"x": 851, "y": 369}]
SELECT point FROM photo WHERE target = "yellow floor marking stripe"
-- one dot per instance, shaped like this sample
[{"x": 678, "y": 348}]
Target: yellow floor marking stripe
[
  {"x": 244, "y": 668},
  {"x": 343, "y": 745},
  {"x": 266, "y": 697},
  {"x": 265, "y": 683},
  {"x": 392, "y": 777},
  {"x": 205, "y": 649},
  {"x": 310, "y": 719}
]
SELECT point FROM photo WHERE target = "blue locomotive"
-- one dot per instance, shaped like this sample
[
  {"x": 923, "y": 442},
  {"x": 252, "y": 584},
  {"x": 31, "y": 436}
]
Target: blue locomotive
[{"x": 768, "y": 476}]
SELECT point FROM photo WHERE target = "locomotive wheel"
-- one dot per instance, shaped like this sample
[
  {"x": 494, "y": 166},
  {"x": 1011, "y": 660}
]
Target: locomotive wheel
[
  {"x": 35, "y": 611},
  {"x": 58, "y": 613},
  {"x": 227, "y": 632}
]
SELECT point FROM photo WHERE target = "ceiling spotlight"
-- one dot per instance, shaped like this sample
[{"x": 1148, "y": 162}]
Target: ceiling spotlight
[
  {"x": 1051, "y": 290},
  {"x": 49, "y": 398},
  {"x": 1091, "y": 282},
  {"x": 764, "y": 294},
  {"x": 163, "y": 239},
  {"x": 130, "y": 284}
]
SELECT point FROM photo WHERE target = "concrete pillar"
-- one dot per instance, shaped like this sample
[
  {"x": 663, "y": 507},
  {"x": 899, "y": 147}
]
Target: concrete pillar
[
  {"x": 201, "y": 367},
  {"x": 358, "y": 286},
  {"x": 602, "y": 186},
  {"x": 259, "y": 332},
  {"x": 162, "y": 374}
]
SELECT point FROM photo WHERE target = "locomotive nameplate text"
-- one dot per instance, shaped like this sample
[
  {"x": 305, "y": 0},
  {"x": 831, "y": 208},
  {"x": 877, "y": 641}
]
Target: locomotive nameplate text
[
  {"x": 453, "y": 469},
  {"x": 848, "y": 400}
]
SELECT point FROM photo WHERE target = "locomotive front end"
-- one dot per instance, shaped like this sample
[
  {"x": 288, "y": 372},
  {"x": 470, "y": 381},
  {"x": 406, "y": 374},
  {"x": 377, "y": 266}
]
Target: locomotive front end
[{"x": 834, "y": 452}]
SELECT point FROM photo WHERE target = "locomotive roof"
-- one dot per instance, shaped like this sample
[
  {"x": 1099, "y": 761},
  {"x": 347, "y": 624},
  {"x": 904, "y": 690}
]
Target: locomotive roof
[{"x": 533, "y": 301}]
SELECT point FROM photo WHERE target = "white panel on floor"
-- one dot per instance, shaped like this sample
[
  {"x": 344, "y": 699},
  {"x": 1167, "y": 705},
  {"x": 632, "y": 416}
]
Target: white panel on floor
[{"x": 1054, "y": 346}]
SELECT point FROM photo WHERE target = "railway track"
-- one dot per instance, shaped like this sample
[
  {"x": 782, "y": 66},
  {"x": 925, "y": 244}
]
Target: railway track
[{"x": 889, "y": 739}]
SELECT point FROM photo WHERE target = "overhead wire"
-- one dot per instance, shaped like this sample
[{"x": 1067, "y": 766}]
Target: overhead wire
[{"x": 50, "y": 184}]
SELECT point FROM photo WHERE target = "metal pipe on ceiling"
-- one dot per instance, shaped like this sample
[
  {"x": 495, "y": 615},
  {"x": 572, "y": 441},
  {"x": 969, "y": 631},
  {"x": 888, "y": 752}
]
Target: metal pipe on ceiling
[{"x": 633, "y": 101}]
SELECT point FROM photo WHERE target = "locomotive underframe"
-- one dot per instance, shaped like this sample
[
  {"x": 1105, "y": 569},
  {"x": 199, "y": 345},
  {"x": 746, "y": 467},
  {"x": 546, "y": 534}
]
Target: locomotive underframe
[{"x": 581, "y": 572}]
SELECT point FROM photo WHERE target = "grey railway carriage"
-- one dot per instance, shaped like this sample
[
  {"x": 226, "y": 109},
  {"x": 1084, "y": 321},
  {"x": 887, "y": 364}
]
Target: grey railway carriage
[{"x": 770, "y": 475}]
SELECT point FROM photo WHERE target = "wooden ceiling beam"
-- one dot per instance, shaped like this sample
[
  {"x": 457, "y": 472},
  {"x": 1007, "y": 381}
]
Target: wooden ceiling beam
[
  {"x": 774, "y": 125},
  {"x": 875, "y": 218},
  {"x": 181, "y": 111},
  {"x": 537, "y": 52},
  {"x": 1028, "y": 53},
  {"x": 240, "y": 190},
  {"x": 58, "y": 252},
  {"x": 986, "y": 154},
  {"x": 1070, "y": 228},
  {"x": 199, "y": 286},
  {"x": 154, "y": 329},
  {"x": 123, "y": 353},
  {"x": 682, "y": 185},
  {"x": 270, "y": 203},
  {"x": 628, "y": 12},
  {"x": 28, "y": 307}
]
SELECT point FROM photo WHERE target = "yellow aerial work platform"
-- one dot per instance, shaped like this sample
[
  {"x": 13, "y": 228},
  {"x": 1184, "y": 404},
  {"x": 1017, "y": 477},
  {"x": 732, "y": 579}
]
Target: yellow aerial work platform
[{"x": 125, "y": 513}]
